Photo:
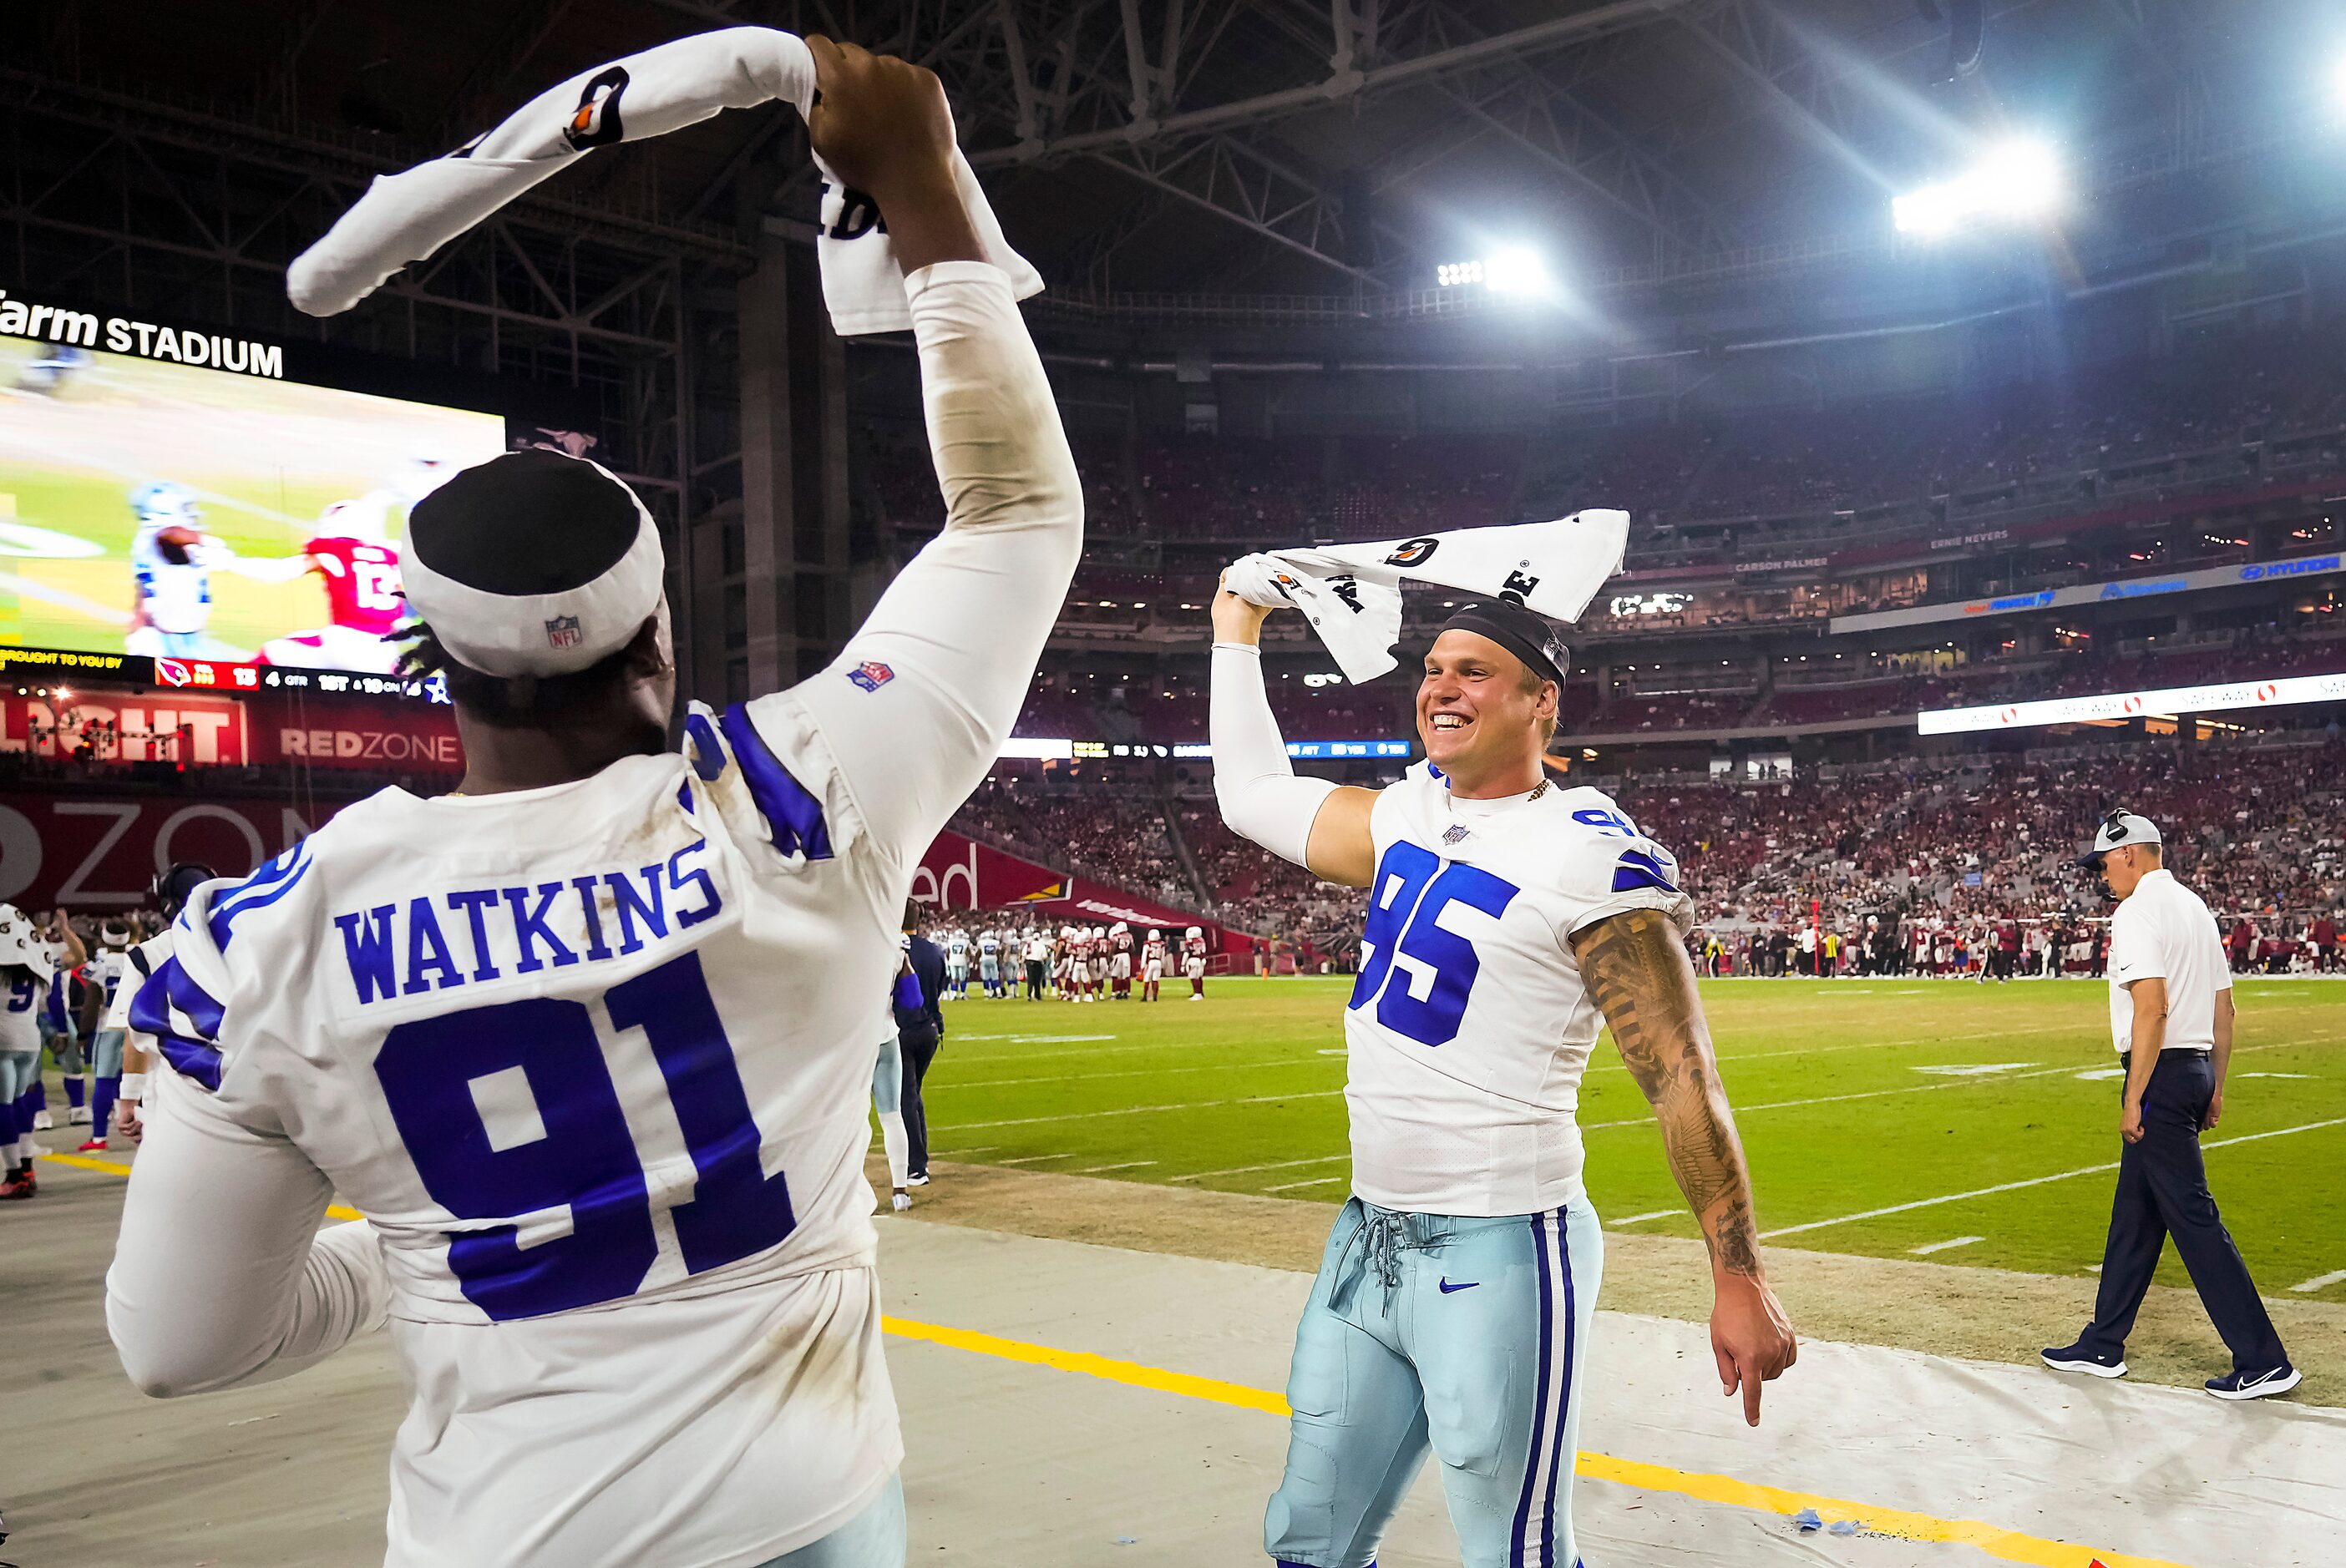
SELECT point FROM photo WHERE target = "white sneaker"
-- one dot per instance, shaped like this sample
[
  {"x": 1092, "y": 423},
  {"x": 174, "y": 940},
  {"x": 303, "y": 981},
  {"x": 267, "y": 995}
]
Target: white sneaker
[
  {"x": 42, "y": 1122},
  {"x": 899, "y": 1201},
  {"x": 920, "y": 1180},
  {"x": 79, "y": 1117},
  {"x": 1195, "y": 997}
]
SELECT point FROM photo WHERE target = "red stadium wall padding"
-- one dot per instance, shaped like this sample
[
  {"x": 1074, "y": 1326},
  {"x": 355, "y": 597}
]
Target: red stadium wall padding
[
  {"x": 91, "y": 854},
  {"x": 960, "y": 873}
]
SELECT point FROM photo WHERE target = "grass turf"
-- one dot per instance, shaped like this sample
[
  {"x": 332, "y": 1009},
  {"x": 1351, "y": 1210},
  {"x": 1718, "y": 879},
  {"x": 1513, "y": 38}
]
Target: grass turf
[{"x": 1839, "y": 1115}]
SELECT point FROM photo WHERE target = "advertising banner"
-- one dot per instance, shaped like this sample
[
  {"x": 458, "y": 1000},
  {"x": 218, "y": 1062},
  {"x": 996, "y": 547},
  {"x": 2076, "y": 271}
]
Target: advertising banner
[
  {"x": 960, "y": 873},
  {"x": 2280, "y": 692},
  {"x": 92, "y": 854},
  {"x": 2094, "y": 592},
  {"x": 392, "y": 738},
  {"x": 116, "y": 727}
]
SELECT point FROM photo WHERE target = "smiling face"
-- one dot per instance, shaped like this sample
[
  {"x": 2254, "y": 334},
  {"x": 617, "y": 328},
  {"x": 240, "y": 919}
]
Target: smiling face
[{"x": 1482, "y": 717}]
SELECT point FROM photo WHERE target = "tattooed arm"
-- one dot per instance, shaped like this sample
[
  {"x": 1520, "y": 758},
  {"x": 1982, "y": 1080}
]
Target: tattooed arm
[{"x": 1637, "y": 971}]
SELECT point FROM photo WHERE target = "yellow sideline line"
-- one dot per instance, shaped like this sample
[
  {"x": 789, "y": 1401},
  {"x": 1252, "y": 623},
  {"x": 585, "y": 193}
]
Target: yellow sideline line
[
  {"x": 116, "y": 1168},
  {"x": 2009, "y": 1545}
]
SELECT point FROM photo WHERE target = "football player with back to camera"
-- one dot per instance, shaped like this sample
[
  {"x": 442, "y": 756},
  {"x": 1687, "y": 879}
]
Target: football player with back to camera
[
  {"x": 1505, "y": 913},
  {"x": 589, "y": 1041}
]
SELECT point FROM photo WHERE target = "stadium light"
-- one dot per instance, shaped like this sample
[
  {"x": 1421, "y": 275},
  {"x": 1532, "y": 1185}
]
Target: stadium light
[
  {"x": 1513, "y": 271},
  {"x": 2014, "y": 183}
]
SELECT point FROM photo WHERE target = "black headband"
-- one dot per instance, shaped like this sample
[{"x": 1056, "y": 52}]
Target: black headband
[{"x": 1521, "y": 631}]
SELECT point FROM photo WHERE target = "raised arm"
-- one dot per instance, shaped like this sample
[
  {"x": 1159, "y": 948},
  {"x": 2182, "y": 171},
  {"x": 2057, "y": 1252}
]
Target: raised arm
[
  {"x": 916, "y": 707},
  {"x": 1635, "y": 969},
  {"x": 1320, "y": 826}
]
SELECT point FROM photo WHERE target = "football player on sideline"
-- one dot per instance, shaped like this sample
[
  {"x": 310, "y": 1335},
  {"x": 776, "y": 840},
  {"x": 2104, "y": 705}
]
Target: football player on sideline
[
  {"x": 589, "y": 1041},
  {"x": 1500, "y": 909}
]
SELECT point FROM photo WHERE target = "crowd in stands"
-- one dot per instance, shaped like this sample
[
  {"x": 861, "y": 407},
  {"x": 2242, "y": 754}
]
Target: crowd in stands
[
  {"x": 2101, "y": 427},
  {"x": 1945, "y": 863}
]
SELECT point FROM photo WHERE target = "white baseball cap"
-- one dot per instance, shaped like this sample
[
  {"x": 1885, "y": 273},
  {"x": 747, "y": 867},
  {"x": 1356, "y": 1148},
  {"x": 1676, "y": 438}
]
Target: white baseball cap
[
  {"x": 533, "y": 564},
  {"x": 2119, "y": 827}
]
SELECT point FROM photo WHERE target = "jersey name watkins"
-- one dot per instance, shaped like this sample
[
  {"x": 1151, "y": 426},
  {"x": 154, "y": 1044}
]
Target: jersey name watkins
[{"x": 476, "y": 935}]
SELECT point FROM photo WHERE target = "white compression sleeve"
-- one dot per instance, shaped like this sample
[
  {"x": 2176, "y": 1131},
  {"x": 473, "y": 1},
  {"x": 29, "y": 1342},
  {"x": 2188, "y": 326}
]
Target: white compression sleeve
[
  {"x": 962, "y": 626},
  {"x": 221, "y": 1275},
  {"x": 1257, "y": 788}
]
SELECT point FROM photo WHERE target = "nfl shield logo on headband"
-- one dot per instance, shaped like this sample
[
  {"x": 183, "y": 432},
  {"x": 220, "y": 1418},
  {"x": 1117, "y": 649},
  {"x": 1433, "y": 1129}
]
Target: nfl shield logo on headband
[{"x": 563, "y": 632}]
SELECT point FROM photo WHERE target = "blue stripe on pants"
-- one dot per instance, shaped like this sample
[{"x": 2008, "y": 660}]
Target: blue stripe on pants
[{"x": 1462, "y": 1337}]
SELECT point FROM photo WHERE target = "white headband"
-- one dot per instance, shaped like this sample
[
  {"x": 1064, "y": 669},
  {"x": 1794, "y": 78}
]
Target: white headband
[{"x": 543, "y": 634}]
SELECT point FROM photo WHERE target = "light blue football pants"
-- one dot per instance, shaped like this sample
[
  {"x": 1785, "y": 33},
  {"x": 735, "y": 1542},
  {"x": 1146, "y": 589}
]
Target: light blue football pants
[{"x": 1466, "y": 1337}]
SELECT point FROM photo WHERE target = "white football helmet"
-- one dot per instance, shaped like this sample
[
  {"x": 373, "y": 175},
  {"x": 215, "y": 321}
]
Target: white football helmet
[
  {"x": 1197, "y": 930},
  {"x": 19, "y": 942}
]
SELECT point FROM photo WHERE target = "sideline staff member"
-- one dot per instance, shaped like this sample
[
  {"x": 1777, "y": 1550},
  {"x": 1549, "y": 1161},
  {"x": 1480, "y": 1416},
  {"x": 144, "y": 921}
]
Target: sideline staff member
[{"x": 2171, "y": 1014}]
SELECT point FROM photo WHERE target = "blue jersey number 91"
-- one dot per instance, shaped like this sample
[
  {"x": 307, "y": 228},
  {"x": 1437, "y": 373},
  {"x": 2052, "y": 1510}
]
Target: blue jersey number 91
[{"x": 586, "y": 1161}]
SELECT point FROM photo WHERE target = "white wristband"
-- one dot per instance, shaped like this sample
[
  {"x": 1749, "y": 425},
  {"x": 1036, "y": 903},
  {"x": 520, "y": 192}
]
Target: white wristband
[
  {"x": 1254, "y": 649},
  {"x": 134, "y": 1087}
]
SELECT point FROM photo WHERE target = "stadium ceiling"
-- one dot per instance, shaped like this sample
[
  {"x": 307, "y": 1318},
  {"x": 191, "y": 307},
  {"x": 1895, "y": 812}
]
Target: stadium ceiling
[{"x": 1228, "y": 146}]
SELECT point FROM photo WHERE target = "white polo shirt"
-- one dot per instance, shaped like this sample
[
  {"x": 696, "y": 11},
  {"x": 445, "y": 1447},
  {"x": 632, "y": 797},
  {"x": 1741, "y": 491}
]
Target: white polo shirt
[{"x": 2163, "y": 931}]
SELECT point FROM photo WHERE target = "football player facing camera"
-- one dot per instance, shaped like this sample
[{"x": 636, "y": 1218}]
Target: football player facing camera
[{"x": 1458, "y": 1292}]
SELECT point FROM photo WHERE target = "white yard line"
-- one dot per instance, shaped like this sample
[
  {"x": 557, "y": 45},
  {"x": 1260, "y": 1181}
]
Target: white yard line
[
  {"x": 1641, "y": 1218},
  {"x": 2322, "y": 1281},
  {"x": 1140, "y": 1110},
  {"x": 1122, "y": 1073},
  {"x": 1837, "y": 1099},
  {"x": 1033, "y": 1159},
  {"x": 1271, "y": 1165},
  {"x": 1929, "y": 1247},
  {"x": 2031, "y": 1181},
  {"x": 1125, "y": 1166},
  {"x": 1293, "y": 1185}
]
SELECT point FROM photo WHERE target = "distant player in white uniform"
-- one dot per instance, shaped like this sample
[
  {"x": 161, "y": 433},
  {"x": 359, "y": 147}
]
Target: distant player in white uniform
[
  {"x": 957, "y": 964},
  {"x": 171, "y": 564},
  {"x": 989, "y": 960},
  {"x": 1193, "y": 961},
  {"x": 30, "y": 958},
  {"x": 1506, "y": 915},
  {"x": 1152, "y": 965},
  {"x": 589, "y": 1042}
]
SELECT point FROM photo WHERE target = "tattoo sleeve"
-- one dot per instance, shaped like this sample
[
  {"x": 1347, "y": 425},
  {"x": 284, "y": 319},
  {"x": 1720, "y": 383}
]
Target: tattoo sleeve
[{"x": 1637, "y": 973}]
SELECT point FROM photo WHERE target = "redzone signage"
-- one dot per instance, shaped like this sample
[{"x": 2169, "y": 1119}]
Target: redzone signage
[
  {"x": 421, "y": 738},
  {"x": 99, "y": 855}
]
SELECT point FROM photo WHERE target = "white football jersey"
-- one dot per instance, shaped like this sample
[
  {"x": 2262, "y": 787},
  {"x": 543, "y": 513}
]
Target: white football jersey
[
  {"x": 178, "y": 593},
  {"x": 592, "y": 1059},
  {"x": 21, "y": 1000},
  {"x": 1468, "y": 1026}
]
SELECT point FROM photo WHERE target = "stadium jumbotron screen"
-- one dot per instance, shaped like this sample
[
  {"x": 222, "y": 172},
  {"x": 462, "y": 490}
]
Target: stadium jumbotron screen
[{"x": 160, "y": 510}]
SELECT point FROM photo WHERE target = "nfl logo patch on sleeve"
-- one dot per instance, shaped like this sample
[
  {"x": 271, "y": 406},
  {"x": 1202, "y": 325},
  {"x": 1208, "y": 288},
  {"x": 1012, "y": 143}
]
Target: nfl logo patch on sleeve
[
  {"x": 872, "y": 675},
  {"x": 562, "y": 632}
]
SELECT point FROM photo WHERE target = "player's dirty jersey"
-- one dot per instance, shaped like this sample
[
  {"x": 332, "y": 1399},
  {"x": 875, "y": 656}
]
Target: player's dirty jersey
[
  {"x": 1468, "y": 1025},
  {"x": 594, "y": 1059},
  {"x": 361, "y": 580}
]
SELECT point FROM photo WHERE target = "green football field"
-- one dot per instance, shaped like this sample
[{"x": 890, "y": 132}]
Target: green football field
[{"x": 1858, "y": 1097}]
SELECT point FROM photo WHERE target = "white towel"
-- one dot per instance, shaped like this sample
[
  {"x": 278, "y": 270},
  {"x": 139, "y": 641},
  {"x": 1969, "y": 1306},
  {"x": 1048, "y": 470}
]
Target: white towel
[
  {"x": 404, "y": 218},
  {"x": 1351, "y": 592}
]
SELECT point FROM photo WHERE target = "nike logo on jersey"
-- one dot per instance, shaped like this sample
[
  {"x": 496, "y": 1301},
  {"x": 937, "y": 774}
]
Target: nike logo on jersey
[{"x": 1450, "y": 1289}]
